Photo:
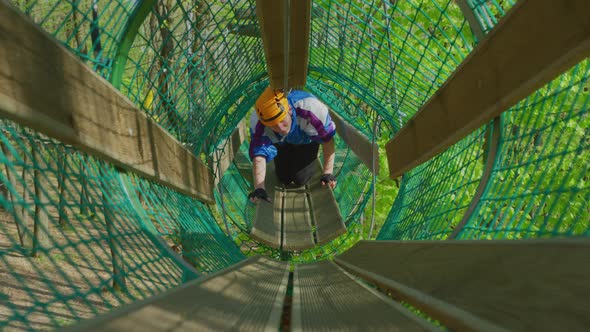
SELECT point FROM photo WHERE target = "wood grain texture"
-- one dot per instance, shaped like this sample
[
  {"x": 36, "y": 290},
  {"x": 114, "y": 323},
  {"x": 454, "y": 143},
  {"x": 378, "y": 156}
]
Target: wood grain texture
[
  {"x": 535, "y": 42},
  {"x": 287, "y": 222},
  {"x": 246, "y": 297},
  {"x": 325, "y": 298},
  {"x": 297, "y": 232},
  {"x": 267, "y": 225},
  {"x": 526, "y": 285},
  {"x": 360, "y": 144},
  {"x": 325, "y": 211},
  {"x": 45, "y": 87},
  {"x": 299, "y": 42},
  {"x": 273, "y": 23}
]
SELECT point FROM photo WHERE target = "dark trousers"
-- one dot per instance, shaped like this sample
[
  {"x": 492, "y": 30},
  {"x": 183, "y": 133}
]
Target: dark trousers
[{"x": 295, "y": 163}]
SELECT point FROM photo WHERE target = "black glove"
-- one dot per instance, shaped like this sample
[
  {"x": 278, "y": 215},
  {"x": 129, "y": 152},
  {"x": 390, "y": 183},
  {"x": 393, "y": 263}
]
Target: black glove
[
  {"x": 260, "y": 194},
  {"x": 326, "y": 178}
]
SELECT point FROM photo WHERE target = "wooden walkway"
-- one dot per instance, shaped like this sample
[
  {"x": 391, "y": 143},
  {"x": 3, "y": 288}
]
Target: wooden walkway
[
  {"x": 250, "y": 297},
  {"x": 325, "y": 298},
  {"x": 524, "y": 285},
  {"x": 527, "y": 285},
  {"x": 297, "y": 218},
  {"x": 247, "y": 297}
]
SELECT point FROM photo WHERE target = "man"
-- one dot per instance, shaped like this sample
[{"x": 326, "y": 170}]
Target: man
[{"x": 290, "y": 130}]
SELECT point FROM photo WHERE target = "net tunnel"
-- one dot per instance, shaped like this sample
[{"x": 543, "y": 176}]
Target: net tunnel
[{"x": 462, "y": 159}]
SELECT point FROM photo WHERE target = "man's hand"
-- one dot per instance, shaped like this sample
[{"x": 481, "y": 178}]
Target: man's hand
[
  {"x": 328, "y": 179},
  {"x": 258, "y": 194}
]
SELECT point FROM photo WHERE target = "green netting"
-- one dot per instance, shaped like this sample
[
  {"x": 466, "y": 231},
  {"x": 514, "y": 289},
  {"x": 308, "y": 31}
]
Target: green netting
[
  {"x": 93, "y": 35},
  {"x": 80, "y": 236},
  {"x": 434, "y": 196},
  {"x": 539, "y": 185},
  {"x": 538, "y": 182},
  {"x": 391, "y": 55},
  {"x": 488, "y": 12}
]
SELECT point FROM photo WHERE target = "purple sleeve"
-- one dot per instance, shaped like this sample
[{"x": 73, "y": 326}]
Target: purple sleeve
[
  {"x": 327, "y": 132},
  {"x": 261, "y": 145},
  {"x": 325, "y": 129}
]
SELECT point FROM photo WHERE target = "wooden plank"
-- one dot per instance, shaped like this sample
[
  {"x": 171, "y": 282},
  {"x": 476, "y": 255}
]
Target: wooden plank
[
  {"x": 327, "y": 298},
  {"x": 534, "y": 285},
  {"x": 535, "y": 42},
  {"x": 272, "y": 26},
  {"x": 266, "y": 227},
  {"x": 229, "y": 150},
  {"x": 325, "y": 212},
  {"x": 271, "y": 16},
  {"x": 247, "y": 297},
  {"x": 360, "y": 144},
  {"x": 299, "y": 42},
  {"x": 328, "y": 220},
  {"x": 44, "y": 87},
  {"x": 297, "y": 232}
]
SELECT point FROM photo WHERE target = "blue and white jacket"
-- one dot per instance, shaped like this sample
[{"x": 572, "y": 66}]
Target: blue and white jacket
[{"x": 311, "y": 123}]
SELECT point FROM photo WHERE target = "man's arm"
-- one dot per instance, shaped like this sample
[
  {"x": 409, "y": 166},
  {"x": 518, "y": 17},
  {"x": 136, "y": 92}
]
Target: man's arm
[
  {"x": 329, "y": 151},
  {"x": 259, "y": 171},
  {"x": 261, "y": 150}
]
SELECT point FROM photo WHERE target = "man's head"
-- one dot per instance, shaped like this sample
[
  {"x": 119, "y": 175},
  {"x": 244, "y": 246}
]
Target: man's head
[{"x": 273, "y": 111}]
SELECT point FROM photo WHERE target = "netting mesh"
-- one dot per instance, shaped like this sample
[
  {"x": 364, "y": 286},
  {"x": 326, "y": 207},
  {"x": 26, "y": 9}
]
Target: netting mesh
[
  {"x": 539, "y": 184},
  {"x": 80, "y": 236}
]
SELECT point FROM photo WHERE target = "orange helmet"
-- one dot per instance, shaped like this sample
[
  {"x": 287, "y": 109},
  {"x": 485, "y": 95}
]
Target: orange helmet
[{"x": 271, "y": 107}]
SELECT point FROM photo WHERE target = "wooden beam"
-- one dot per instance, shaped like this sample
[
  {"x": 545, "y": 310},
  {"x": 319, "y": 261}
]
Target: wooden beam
[
  {"x": 536, "y": 285},
  {"x": 45, "y": 87},
  {"x": 535, "y": 42},
  {"x": 357, "y": 142},
  {"x": 272, "y": 27}
]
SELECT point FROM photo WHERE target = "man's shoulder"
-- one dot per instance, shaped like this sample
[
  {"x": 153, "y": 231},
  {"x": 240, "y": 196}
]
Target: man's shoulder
[
  {"x": 297, "y": 95},
  {"x": 306, "y": 101},
  {"x": 308, "y": 106}
]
